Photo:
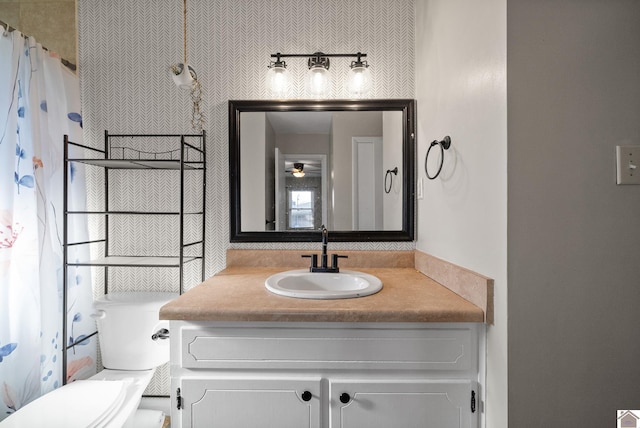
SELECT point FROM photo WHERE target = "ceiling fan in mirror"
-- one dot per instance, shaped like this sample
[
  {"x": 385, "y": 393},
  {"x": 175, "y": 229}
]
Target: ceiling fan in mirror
[{"x": 300, "y": 169}]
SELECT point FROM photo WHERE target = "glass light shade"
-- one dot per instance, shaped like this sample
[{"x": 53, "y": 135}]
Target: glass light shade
[
  {"x": 278, "y": 81},
  {"x": 318, "y": 81},
  {"x": 359, "y": 80},
  {"x": 298, "y": 174}
]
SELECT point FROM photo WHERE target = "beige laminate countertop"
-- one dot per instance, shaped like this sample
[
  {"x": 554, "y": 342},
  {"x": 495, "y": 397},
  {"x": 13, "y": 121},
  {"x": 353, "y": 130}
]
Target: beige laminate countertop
[{"x": 239, "y": 294}]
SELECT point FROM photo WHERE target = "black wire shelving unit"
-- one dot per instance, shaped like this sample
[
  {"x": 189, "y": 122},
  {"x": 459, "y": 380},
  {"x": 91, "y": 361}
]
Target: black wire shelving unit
[{"x": 186, "y": 155}]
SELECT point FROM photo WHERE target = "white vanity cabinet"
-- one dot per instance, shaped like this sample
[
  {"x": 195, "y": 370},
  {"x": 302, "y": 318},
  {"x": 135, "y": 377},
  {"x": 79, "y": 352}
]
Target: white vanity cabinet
[
  {"x": 402, "y": 403},
  {"x": 247, "y": 401},
  {"x": 325, "y": 375}
]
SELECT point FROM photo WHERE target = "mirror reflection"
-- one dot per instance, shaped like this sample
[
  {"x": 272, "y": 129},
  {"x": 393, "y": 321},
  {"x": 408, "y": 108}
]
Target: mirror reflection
[{"x": 304, "y": 166}]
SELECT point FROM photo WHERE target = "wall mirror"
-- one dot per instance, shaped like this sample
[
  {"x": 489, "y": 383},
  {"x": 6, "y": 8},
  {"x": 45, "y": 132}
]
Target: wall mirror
[{"x": 296, "y": 165}]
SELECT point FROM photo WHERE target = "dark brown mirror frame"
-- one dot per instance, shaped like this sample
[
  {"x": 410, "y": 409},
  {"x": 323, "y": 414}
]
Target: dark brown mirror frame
[{"x": 406, "y": 106}]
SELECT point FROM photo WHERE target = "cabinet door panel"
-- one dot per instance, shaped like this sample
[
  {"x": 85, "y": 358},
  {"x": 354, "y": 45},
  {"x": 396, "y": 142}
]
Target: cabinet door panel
[
  {"x": 398, "y": 404},
  {"x": 249, "y": 403}
]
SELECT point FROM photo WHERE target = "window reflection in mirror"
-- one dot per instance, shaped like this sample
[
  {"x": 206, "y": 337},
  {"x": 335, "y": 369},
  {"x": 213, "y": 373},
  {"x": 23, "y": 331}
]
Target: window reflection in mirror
[{"x": 301, "y": 213}]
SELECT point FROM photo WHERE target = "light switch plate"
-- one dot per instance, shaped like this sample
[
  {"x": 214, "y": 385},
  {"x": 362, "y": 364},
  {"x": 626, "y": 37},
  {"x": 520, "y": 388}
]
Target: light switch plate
[
  {"x": 420, "y": 189},
  {"x": 628, "y": 164}
]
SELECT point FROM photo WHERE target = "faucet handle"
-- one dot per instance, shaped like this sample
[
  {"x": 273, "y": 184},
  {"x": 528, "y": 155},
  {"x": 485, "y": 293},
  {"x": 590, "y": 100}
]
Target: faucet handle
[
  {"x": 314, "y": 260},
  {"x": 334, "y": 261}
]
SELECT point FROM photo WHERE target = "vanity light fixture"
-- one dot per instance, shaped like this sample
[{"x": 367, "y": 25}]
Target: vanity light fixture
[
  {"x": 359, "y": 78},
  {"x": 278, "y": 78},
  {"x": 318, "y": 82},
  {"x": 318, "y": 78}
]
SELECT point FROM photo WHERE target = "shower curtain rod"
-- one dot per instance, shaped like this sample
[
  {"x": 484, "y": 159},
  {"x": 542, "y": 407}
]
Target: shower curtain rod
[{"x": 71, "y": 66}]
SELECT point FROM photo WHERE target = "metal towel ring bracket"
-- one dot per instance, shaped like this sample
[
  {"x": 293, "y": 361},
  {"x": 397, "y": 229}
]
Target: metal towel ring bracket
[
  {"x": 444, "y": 145},
  {"x": 393, "y": 171}
]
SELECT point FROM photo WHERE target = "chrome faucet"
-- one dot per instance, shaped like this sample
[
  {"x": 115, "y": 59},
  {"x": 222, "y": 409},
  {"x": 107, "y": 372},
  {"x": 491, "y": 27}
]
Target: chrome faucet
[{"x": 324, "y": 256}]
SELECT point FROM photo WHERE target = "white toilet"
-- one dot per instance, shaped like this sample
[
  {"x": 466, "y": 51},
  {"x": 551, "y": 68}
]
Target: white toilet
[{"x": 126, "y": 324}]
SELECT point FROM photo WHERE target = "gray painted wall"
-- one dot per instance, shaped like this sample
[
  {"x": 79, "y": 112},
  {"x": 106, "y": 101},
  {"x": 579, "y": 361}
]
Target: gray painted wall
[
  {"x": 574, "y": 236},
  {"x": 52, "y": 23}
]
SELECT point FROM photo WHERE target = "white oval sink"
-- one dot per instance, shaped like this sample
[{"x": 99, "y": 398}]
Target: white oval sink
[{"x": 315, "y": 285}]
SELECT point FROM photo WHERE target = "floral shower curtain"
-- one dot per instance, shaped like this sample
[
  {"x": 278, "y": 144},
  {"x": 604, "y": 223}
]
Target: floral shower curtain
[{"x": 39, "y": 103}]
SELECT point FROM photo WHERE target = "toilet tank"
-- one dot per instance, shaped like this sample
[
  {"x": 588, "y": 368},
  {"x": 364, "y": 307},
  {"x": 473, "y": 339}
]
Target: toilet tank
[{"x": 126, "y": 323}]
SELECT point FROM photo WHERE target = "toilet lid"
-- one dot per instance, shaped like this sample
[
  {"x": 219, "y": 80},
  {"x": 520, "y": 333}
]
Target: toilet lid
[{"x": 81, "y": 404}]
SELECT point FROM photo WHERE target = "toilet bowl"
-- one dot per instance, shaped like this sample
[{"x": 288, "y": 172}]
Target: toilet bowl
[{"x": 126, "y": 323}]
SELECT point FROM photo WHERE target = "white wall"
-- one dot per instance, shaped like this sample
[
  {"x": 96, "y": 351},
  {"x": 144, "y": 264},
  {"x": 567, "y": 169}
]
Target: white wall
[
  {"x": 303, "y": 143},
  {"x": 461, "y": 92},
  {"x": 253, "y": 170},
  {"x": 574, "y": 236},
  {"x": 391, "y": 158}
]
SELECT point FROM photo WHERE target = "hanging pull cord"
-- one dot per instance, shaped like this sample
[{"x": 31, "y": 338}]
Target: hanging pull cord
[
  {"x": 444, "y": 145},
  {"x": 184, "y": 31}
]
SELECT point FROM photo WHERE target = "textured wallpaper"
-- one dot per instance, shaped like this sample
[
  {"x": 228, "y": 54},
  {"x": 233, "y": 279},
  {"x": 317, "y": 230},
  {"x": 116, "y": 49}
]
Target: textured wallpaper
[{"x": 125, "y": 48}]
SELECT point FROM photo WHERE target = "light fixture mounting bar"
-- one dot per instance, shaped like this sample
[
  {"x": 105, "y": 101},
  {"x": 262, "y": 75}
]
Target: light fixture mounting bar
[{"x": 281, "y": 55}]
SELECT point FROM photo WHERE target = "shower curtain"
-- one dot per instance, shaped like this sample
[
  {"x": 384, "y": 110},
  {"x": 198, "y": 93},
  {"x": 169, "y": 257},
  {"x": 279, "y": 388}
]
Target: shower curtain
[{"x": 39, "y": 103}]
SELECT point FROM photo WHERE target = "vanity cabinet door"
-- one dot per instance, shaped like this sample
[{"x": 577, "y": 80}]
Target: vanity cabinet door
[
  {"x": 231, "y": 402},
  {"x": 402, "y": 404}
]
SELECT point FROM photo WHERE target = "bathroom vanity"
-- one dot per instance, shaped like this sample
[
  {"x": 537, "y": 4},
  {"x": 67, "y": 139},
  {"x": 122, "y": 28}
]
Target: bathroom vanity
[
  {"x": 325, "y": 375},
  {"x": 244, "y": 357}
]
